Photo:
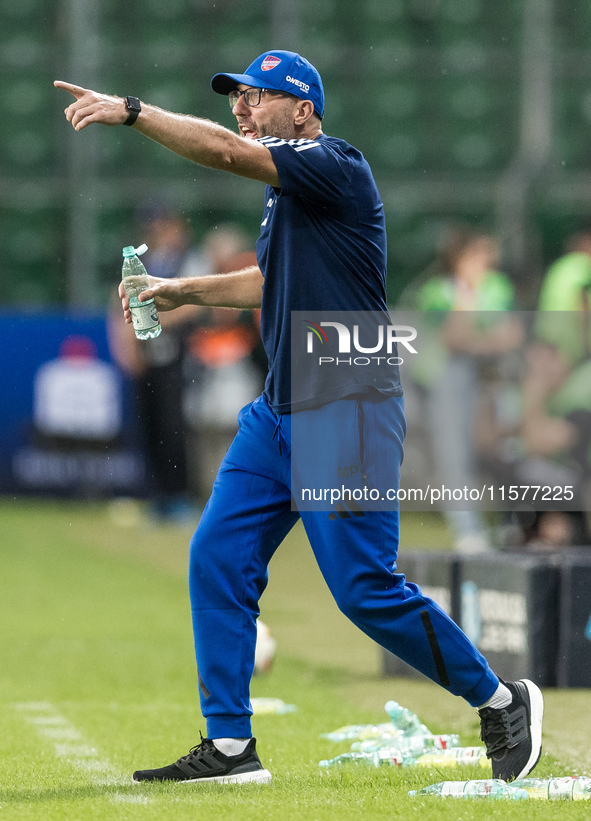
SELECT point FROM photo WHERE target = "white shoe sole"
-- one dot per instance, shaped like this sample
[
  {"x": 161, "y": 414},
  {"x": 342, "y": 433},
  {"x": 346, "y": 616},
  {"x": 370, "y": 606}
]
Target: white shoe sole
[
  {"x": 256, "y": 777},
  {"x": 536, "y": 707}
]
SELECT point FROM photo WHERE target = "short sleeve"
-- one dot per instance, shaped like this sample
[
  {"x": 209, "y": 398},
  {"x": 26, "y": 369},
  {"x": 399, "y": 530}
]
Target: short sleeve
[{"x": 312, "y": 169}]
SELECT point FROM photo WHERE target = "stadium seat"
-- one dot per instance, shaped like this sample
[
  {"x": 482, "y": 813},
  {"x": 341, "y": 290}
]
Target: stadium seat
[{"x": 32, "y": 254}]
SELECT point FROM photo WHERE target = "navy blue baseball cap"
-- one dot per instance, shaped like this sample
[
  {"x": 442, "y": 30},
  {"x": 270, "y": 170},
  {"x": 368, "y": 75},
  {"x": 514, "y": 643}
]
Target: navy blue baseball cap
[{"x": 278, "y": 71}]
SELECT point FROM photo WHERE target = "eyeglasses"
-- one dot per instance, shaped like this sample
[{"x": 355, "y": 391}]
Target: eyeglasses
[{"x": 252, "y": 96}]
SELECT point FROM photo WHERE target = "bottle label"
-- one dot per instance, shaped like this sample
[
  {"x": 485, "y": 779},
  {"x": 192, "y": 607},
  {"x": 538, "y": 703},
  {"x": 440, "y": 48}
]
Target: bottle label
[
  {"x": 390, "y": 757},
  {"x": 144, "y": 315},
  {"x": 453, "y": 788},
  {"x": 468, "y": 755},
  {"x": 561, "y": 789}
]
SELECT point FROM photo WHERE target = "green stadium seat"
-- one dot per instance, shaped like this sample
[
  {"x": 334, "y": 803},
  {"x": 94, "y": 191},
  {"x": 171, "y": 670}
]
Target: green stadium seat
[
  {"x": 389, "y": 57},
  {"x": 170, "y": 48},
  {"x": 21, "y": 50},
  {"x": 570, "y": 151},
  {"x": 399, "y": 150},
  {"x": 32, "y": 252},
  {"x": 25, "y": 149},
  {"x": 571, "y": 26},
  {"x": 472, "y": 99},
  {"x": 475, "y": 150},
  {"x": 462, "y": 12},
  {"x": 572, "y": 115},
  {"x": 170, "y": 10},
  {"x": 168, "y": 90},
  {"x": 383, "y": 12},
  {"x": 26, "y": 95}
]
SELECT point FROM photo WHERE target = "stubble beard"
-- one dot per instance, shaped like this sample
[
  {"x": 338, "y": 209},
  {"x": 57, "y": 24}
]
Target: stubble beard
[{"x": 281, "y": 126}]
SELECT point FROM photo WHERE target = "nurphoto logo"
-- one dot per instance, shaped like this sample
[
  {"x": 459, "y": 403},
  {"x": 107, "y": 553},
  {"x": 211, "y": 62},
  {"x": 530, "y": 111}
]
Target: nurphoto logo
[{"x": 385, "y": 341}]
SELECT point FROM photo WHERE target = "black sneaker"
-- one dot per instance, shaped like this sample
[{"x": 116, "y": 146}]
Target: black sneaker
[
  {"x": 513, "y": 734},
  {"x": 206, "y": 763}
]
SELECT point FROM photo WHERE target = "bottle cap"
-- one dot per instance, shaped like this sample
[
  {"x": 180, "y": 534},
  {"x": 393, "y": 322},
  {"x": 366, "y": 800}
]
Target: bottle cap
[{"x": 130, "y": 251}]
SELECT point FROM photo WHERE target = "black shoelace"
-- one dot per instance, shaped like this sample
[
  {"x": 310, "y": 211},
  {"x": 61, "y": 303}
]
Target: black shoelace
[
  {"x": 496, "y": 730},
  {"x": 205, "y": 746}
]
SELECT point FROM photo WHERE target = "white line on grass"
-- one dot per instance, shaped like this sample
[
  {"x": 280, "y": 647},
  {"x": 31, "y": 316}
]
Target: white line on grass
[{"x": 68, "y": 743}]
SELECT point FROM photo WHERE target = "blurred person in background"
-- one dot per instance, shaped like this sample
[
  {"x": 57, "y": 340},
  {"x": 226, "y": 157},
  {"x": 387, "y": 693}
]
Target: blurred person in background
[
  {"x": 225, "y": 370},
  {"x": 556, "y": 425},
  {"x": 465, "y": 347},
  {"x": 567, "y": 287},
  {"x": 322, "y": 247},
  {"x": 159, "y": 365},
  {"x": 556, "y": 435}
]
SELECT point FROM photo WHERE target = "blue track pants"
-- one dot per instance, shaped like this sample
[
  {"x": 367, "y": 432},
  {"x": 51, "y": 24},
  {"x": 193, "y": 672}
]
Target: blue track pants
[{"x": 246, "y": 519}]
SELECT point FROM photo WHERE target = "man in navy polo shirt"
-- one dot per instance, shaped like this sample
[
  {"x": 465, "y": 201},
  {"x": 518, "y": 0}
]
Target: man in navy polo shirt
[{"x": 322, "y": 248}]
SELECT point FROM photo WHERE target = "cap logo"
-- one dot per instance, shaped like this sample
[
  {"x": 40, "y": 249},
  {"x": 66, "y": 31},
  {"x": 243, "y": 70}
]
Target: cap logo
[
  {"x": 304, "y": 86},
  {"x": 270, "y": 62}
]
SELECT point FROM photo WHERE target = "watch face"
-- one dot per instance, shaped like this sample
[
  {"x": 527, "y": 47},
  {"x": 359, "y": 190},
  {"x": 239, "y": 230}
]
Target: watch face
[{"x": 133, "y": 104}]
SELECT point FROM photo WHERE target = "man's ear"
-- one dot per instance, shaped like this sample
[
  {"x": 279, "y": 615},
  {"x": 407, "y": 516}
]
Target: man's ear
[{"x": 305, "y": 109}]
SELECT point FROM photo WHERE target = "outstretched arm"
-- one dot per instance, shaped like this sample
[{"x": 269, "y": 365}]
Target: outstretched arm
[
  {"x": 201, "y": 141},
  {"x": 547, "y": 371},
  {"x": 239, "y": 289}
]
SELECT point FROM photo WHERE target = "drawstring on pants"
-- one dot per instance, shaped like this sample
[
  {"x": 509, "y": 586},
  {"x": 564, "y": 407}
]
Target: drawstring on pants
[{"x": 277, "y": 433}]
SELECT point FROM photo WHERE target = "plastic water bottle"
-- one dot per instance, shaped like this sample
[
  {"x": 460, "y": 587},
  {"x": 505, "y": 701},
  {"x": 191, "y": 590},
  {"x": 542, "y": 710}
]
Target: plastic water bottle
[
  {"x": 404, "y": 720},
  {"x": 453, "y": 757},
  {"x": 361, "y": 731},
  {"x": 443, "y": 741},
  {"x": 417, "y": 744},
  {"x": 271, "y": 706},
  {"x": 489, "y": 788},
  {"x": 394, "y": 739},
  {"x": 572, "y": 788},
  {"x": 381, "y": 758},
  {"x": 135, "y": 278}
]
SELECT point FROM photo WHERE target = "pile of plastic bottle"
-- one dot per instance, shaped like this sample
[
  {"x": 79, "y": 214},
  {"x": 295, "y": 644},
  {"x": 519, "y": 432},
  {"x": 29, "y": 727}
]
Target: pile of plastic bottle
[
  {"x": 570, "y": 788},
  {"x": 405, "y": 741}
]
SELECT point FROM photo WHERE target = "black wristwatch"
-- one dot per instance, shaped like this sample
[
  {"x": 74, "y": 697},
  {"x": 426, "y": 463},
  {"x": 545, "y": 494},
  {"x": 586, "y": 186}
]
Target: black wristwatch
[{"x": 133, "y": 105}]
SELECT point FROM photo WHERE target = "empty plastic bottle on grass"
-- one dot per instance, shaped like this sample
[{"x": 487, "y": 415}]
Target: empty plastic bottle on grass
[
  {"x": 401, "y": 721},
  {"x": 572, "y": 788},
  {"x": 135, "y": 278},
  {"x": 416, "y": 744},
  {"x": 351, "y": 731},
  {"x": 271, "y": 706},
  {"x": 381, "y": 758},
  {"x": 488, "y": 788},
  {"x": 404, "y": 720},
  {"x": 396, "y": 740},
  {"x": 453, "y": 757}
]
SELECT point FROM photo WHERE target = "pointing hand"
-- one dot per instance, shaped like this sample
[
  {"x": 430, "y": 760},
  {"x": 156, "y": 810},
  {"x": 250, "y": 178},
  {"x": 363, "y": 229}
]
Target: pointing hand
[{"x": 92, "y": 107}]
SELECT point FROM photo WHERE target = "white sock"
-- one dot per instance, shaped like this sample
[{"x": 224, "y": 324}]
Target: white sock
[
  {"x": 500, "y": 698},
  {"x": 230, "y": 746}
]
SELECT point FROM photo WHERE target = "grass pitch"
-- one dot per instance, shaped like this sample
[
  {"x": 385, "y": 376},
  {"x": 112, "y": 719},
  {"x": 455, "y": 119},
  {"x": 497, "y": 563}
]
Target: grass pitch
[{"x": 97, "y": 679}]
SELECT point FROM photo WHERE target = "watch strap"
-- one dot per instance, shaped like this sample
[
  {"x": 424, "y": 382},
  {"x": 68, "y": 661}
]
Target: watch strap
[{"x": 133, "y": 106}]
